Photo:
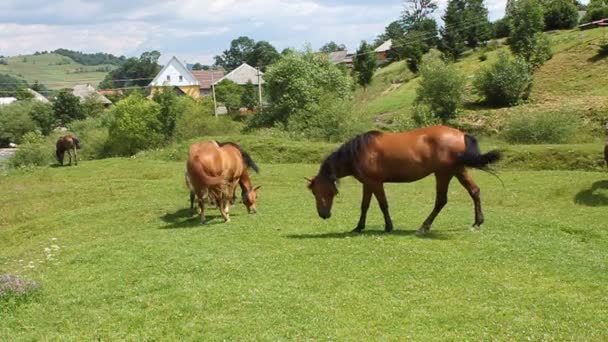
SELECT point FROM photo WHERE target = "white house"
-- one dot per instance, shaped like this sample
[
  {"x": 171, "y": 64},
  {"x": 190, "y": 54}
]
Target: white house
[
  {"x": 243, "y": 74},
  {"x": 7, "y": 100},
  {"x": 177, "y": 76}
]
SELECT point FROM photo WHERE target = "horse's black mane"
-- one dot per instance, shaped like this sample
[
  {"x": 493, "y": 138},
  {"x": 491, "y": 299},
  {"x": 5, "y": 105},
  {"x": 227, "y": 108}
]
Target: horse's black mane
[
  {"x": 246, "y": 157},
  {"x": 348, "y": 155}
]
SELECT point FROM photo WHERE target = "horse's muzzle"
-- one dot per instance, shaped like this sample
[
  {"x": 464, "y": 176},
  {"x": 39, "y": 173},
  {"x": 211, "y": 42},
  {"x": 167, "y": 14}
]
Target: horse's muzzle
[{"x": 325, "y": 216}]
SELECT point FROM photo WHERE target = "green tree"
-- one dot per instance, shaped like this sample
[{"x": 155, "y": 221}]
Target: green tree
[
  {"x": 229, "y": 93},
  {"x": 135, "y": 126},
  {"x": 596, "y": 10},
  {"x": 92, "y": 106},
  {"x": 42, "y": 114},
  {"x": 560, "y": 14},
  {"x": 502, "y": 28},
  {"x": 298, "y": 80},
  {"x": 477, "y": 28},
  {"x": 504, "y": 83},
  {"x": 23, "y": 94},
  {"x": 15, "y": 122},
  {"x": 249, "y": 98},
  {"x": 134, "y": 72},
  {"x": 441, "y": 87},
  {"x": 262, "y": 55},
  {"x": 527, "y": 41},
  {"x": 199, "y": 66},
  {"x": 167, "y": 100},
  {"x": 410, "y": 47},
  {"x": 452, "y": 34},
  {"x": 240, "y": 49},
  {"x": 415, "y": 11},
  {"x": 67, "y": 107},
  {"x": 364, "y": 64},
  {"x": 332, "y": 47},
  {"x": 393, "y": 31}
]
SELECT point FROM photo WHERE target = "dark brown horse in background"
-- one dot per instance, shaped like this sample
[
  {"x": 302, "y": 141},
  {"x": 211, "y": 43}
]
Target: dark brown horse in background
[
  {"x": 375, "y": 158},
  {"x": 215, "y": 169},
  {"x": 67, "y": 143}
]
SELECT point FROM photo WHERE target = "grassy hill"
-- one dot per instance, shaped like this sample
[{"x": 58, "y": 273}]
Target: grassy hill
[
  {"x": 573, "y": 80},
  {"x": 53, "y": 70}
]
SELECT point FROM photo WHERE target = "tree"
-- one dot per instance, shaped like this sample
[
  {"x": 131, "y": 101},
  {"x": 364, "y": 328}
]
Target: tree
[
  {"x": 249, "y": 98},
  {"x": 560, "y": 14},
  {"x": 22, "y": 94},
  {"x": 92, "y": 106},
  {"x": 332, "y": 47},
  {"x": 134, "y": 72},
  {"x": 410, "y": 47},
  {"x": 502, "y": 28},
  {"x": 364, "y": 64},
  {"x": 42, "y": 114},
  {"x": 67, "y": 107},
  {"x": 415, "y": 11},
  {"x": 199, "y": 66},
  {"x": 240, "y": 49},
  {"x": 298, "y": 80},
  {"x": 504, "y": 83},
  {"x": 262, "y": 55},
  {"x": 509, "y": 8},
  {"x": 527, "y": 23},
  {"x": 393, "y": 31},
  {"x": 452, "y": 34},
  {"x": 596, "y": 10},
  {"x": 135, "y": 125},
  {"x": 477, "y": 28},
  {"x": 167, "y": 100},
  {"x": 441, "y": 87},
  {"x": 229, "y": 93}
]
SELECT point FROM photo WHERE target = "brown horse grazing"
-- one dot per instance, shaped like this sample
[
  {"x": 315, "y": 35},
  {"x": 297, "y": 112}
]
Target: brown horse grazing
[
  {"x": 215, "y": 169},
  {"x": 606, "y": 145},
  {"x": 374, "y": 158},
  {"x": 70, "y": 144}
]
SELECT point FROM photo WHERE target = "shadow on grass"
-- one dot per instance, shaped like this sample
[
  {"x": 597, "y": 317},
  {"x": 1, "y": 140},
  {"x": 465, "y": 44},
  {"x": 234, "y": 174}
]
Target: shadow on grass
[
  {"x": 186, "y": 218},
  {"x": 435, "y": 235},
  {"x": 596, "y": 58},
  {"x": 590, "y": 198}
]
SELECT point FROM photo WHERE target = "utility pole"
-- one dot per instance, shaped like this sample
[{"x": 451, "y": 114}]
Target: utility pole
[
  {"x": 213, "y": 91},
  {"x": 259, "y": 90}
]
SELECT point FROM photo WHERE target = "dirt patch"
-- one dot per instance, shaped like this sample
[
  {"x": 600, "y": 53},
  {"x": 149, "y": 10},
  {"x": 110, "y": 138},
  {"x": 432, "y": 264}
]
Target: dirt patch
[{"x": 391, "y": 88}]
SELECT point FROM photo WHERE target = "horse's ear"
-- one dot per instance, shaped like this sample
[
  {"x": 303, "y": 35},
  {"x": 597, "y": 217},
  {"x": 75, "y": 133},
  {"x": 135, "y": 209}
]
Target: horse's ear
[
  {"x": 257, "y": 188},
  {"x": 308, "y": 179}
]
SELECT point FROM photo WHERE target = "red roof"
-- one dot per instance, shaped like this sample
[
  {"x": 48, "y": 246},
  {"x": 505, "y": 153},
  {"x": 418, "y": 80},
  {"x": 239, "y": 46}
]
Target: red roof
[
  {"x": 204, "y": 77},
  {"x": 110, "y": 91}
]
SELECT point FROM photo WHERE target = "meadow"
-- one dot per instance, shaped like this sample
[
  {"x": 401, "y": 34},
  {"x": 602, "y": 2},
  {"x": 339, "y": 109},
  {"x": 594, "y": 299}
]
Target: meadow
[{"x": 118, "y": 255}]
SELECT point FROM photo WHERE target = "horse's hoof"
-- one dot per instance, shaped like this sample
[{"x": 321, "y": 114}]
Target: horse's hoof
[
  {"x": 388, "y": 229},
  {"x": 421, "y": 231},
  {"x": 357, "y": 230},
  {"x": 476, "y": 228}
]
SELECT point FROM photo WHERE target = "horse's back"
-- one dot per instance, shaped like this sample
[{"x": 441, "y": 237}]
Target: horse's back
[{"x": 204, "y": 164}]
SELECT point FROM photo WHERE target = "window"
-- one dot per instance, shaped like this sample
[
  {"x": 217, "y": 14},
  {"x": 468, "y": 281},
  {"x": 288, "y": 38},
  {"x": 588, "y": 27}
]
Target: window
[
  {"x": 168, "y": 77},
  {"x": 181, "y": 78}
]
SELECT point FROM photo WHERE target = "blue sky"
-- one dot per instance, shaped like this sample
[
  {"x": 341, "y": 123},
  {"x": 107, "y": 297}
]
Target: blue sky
[{"x": 193, "y": 30}]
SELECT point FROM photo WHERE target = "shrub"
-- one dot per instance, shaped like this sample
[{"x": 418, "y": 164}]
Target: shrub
[
  {"x": 67, "y": 107},
  {"x": 33, "y": 154},
  {"x": 505, "y": 83},
  {"x": 441, "y": 87},
  {"x": 229, "y": 93},
  {"x": 527, "y": 23},
  {"x": 134, "y": 126},
  {"x": 249, "y": 99},
  {"x": 296, "y": 81},
  {"x": 167, "y": 99},
  {"x": 541, "y": 51},
  {"x": 93, "y": 135},
  {"x": 42, "y": 114},
  {"x": 92, "y": 106},
  {"x": 560, "y": 14},
  {"x": 331, "y": 119},
  {"x": 547, "y": 127},
  {"x": 502, "y": 29},
  {"x": 196, "y": 120},
  {"x": 483, "y": 57},
  {"x": 15, "y": 121}
]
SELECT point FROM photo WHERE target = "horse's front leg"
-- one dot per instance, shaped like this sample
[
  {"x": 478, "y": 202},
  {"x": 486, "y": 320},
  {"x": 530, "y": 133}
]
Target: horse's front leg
[
  {"x": 75, "y": 156},
  {"x": 223, "y": 206},
  {"x": 201, "y": 206},
  {"x": 367, "y": 196},
  {"x": 441, "y": 199},
  {"x": 383, "y": 203}
]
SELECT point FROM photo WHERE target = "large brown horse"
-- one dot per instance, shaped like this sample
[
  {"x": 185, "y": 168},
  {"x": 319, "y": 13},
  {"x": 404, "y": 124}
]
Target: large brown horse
[
  {"x": 606, "y": 145},
  {"x": 215, "y": 169},
  {"x": 67, "y": 143},
  {"x": 374, "y": 158}
]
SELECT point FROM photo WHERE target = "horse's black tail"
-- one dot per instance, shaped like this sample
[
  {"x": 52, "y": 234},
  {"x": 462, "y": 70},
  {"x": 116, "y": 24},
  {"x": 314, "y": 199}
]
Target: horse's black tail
[
  {"x": 246, "y": 157},
  {"x": 472, "y": 157}
]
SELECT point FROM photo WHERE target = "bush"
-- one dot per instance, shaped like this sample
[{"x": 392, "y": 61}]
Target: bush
[
  {"x": 541, "y": 51},
  {"x": 505, "y": 83},
  {"x": 167, "y": 99},
  {"x": 15, "y": 121},
  {"x": 441, "y": 87},
  {"x": 42, "y": 114},
  {"x": 196, "y": 120},
  {"x": 33, "y": 154},
  {"x": 330, "y": 120},
  {"x": 560, "y": 14},
  {"x": 527, "y": 23},
  {"x": 296, "y": 81},
  {"x": 67, "y": 107},
  {"x": 93, "y": 135},
  {"x": 134, "y": 126},
  {"x": 542, "y": 128},
  {"x": 92, "y": 107},
  {"x": 249, "y": 98},
  {"x": 229, "y": 93},
  {"x": 502, "y": 29},
  {"x": 483, "y": 57}
]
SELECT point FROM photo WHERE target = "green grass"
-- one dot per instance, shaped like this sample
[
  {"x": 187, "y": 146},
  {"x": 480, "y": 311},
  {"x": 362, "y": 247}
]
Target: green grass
[
  {"x": 129, "y": 262},
  {"x": 53, "y": 70}
]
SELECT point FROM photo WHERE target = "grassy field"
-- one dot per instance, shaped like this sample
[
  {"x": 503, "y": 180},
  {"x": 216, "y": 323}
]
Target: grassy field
[
  {"x": 118, "y": 256},
  {"x": 53, "y": 70}
]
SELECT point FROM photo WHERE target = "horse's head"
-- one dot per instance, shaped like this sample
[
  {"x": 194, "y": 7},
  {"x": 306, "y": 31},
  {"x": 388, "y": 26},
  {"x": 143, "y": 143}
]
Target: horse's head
[
  {"x": 324, "y": 190},
  {"x": 249, "y": 198},
  {"x": 59, "y": 154}
]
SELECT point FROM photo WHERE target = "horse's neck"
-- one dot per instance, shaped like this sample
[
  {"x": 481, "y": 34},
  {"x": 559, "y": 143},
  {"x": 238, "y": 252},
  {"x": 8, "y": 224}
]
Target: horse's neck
[
  {"x": 245, "y": 181},
  {"x": 342, "y": 168}
]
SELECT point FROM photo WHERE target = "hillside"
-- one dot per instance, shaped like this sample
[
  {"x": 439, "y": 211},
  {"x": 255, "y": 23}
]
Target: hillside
[
  {"x": 53, "y": 70},
  {"x": 573, "y": 80}
]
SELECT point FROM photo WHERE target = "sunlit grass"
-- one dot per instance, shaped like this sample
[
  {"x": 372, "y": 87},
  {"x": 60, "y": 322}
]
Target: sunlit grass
[{"x": 131, "y": 262}]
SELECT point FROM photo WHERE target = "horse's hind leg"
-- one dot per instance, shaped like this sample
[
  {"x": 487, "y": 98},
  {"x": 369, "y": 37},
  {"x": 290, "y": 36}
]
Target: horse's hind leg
[
  {"x": 473, "y": 189},
  {"x": 75, "y": 156},
  {"x": 201, "y": 206},
  {"x": 441, "y": 199}
]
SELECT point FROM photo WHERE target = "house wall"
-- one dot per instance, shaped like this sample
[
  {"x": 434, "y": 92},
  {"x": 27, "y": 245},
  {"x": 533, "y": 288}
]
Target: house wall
[
  {"x": 242, "y": 75},
  {"x": 174, "y": 75},
  {"x": 192, "y": 91}
]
